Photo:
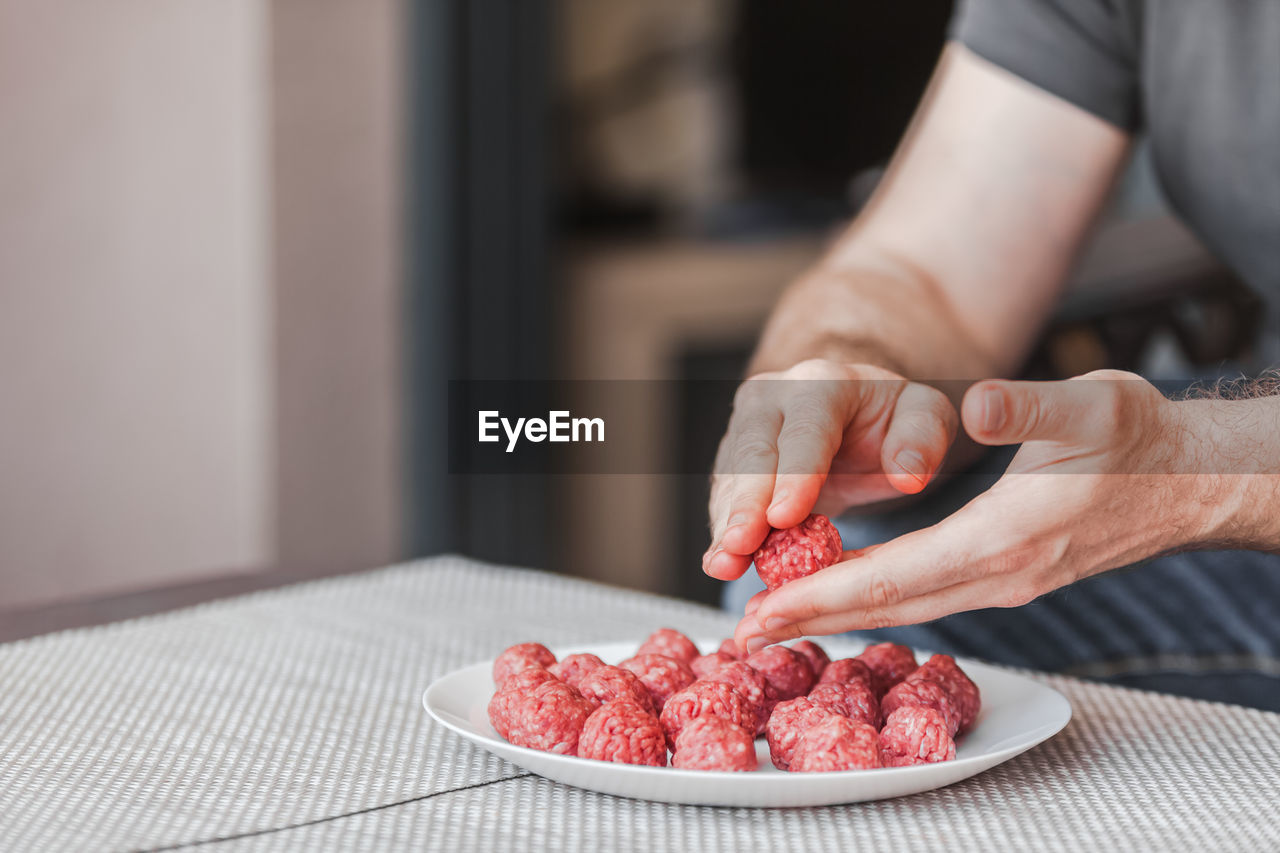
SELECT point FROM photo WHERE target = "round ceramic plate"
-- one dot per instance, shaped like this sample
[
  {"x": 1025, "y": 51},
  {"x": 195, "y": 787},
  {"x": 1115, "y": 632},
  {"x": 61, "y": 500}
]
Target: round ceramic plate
[{"x": 1017, "y": 713}]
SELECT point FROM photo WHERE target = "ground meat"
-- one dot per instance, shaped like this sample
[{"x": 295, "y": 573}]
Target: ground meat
[
  {"x": 818, "y": 659},
  {"x": 520, "y": 657},
  {"x": 923, "y": 694},
  {"x": 787, "y": 672},
  {"x": 704, "y": 664},
  {"x": 846, "y": 669},
  {"x": 851, "y": 699},
  {"x": 506, "y": 697},
  {"x": 669, "y": 642},
  {"x": 915, "y": 735},
  {"x": 703, "y": 698},
  {"x": 751, "y": 684},
  {"x": 836, "y": 743},
  {"x": 624, "y": 732},
  {"x": 661, "y": 674},
  {"x": 787, "y": 723},
  {"x": 574, "y": 668},
  {"x": 797, "y": 551},
  {"x": 889, "y": 664},
  {"x": 606, "y": 683},
  {"x": 714, "y": 743},
  {"x": 730, "y": 647},
  {"x": 944, "y": 670},
  {"x": 550, "y": 719}
]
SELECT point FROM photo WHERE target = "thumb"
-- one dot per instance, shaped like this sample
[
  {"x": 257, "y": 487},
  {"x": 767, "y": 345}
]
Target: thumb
[{"x": 1004, "y": 412}]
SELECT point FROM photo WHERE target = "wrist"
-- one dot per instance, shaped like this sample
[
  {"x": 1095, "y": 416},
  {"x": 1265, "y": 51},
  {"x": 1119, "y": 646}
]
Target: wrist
[{"x": 1232, "y": 476}]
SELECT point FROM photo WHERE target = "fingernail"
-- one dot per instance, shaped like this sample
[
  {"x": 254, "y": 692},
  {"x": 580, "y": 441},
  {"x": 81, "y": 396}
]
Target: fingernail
[
  {"x": 912, "y": 463},
  {"x": 780, "y": 498},
  {"x": 738, "y": 518},
  {"x": 993, "y": 414},
  {"x": 755, "y": 644},
  {"x": 709, "y": 556},
  {"x": 752, "y": 607},
  {"x": 773, "y": 623}
]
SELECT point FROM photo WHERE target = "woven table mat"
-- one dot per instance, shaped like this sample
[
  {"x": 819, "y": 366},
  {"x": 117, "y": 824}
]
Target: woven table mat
[{"x": 291, "y": 719}]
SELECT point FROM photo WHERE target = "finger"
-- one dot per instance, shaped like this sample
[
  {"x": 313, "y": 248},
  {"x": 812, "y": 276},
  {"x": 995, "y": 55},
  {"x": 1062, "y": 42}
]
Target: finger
[
  {"x": 743, "y": 530},
  {"x": 920, "y": 432},
  {"x": 811, "y": 432},
  {"x": 969, "y": 595},
  {"x": 1005, "y": 412},
  {"x": 748, "y": 635},
  {"x": 722, "y": 565},
  {"x": 747, "y": 525},
  {"x": 753, "y": 603},
  {"x": 746, "y": 460},
  {"x": 743, "y": 485}
]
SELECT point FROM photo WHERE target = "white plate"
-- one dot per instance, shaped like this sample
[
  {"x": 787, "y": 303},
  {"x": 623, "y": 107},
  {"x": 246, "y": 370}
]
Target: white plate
[{"x": 1017, "y": 713}]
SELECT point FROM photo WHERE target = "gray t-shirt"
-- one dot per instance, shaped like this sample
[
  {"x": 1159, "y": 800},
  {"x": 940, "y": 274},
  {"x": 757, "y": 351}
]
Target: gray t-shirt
[{"x": 1200, "y": 77}]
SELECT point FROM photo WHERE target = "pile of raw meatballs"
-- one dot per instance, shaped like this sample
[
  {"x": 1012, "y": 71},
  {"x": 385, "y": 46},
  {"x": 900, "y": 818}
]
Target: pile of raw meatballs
[{"x": 879, "y": 709}]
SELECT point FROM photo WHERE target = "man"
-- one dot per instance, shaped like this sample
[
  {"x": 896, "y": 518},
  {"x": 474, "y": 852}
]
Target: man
[{"x": 948, "y": 274}]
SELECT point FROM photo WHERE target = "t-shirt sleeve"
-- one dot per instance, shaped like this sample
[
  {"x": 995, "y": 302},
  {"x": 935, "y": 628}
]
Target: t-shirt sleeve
[{"x": 1084, "y": 51}]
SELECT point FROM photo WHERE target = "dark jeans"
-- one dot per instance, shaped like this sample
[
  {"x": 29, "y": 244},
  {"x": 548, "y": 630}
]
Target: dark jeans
[{"x": 1203, "y": 624}]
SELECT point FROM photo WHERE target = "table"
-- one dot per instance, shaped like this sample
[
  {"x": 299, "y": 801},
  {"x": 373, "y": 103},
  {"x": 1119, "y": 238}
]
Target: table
[{"x": 290, "y": 719}]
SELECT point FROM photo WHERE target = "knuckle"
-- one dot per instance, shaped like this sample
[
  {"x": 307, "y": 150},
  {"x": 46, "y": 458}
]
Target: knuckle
[
  {"x": 876, "y": 618},
  {"x": 882, "y": 592},
  {"x": 749, "y": 450},
  {"x": 749, "y": 391},
  {"x": 805, "y": 432}
]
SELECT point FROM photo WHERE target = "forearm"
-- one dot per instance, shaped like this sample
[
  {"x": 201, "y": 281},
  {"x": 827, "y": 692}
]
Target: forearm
[{"x": 960, "y": 254}]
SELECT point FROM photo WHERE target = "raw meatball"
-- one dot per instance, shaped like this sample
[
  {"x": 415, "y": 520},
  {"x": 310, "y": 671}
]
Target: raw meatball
[
  {"x": 889, "y": 664},
  {"x": 846, "y": 669},
  {"x": 550, "y": 719},
  {"x": 923, "y": 694},
  {"x": 915, "y": 735},
  {"x": 751, "y": 684},
  {"x": 509, "y": 695},
  {"x": 787, "y": 672},
  {"x": 606, "y": 683},
  {"x": 797, "y": 551},
  {"x": 669, "y": 642},
  {"x": 574, "y": 668},
  {"x": 661, "y": 674},
  {"x": 730, "y": 648},
  {"x": 946, "y": 672},
  {"x": 521, "y": 657},
  {"x": 787, "y": 723},
  {"x": 701, "y": 699},
  {"x": 836, "y": 743},
  {"x": 714, "y": 743},
  {"x": 852, "y": 699},
  {"x": 704, "y": 664},
  {"x": 624, "y": 732},
  {"x": 818, "y": 659}
]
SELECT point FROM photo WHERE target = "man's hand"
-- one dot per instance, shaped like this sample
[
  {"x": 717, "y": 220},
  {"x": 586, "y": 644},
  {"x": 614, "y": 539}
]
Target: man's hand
[
  {"x": 1109, "y": 473},
  {"x": 821, "y": 436}
]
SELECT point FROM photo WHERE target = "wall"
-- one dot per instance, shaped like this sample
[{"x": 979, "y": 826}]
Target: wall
[{"x": 197, "y": 288}]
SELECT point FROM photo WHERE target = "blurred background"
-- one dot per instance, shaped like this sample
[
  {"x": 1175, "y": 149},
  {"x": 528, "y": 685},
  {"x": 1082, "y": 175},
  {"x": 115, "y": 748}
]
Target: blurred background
[{"x": 244, "y": 245}]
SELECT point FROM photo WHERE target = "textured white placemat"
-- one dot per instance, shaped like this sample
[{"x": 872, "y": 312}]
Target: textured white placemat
[{"x": 291, "y": 720}]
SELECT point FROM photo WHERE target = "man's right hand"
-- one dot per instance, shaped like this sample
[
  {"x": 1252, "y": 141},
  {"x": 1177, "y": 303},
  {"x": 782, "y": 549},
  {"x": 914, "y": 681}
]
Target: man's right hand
[{"x": 819, "y": 437}]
